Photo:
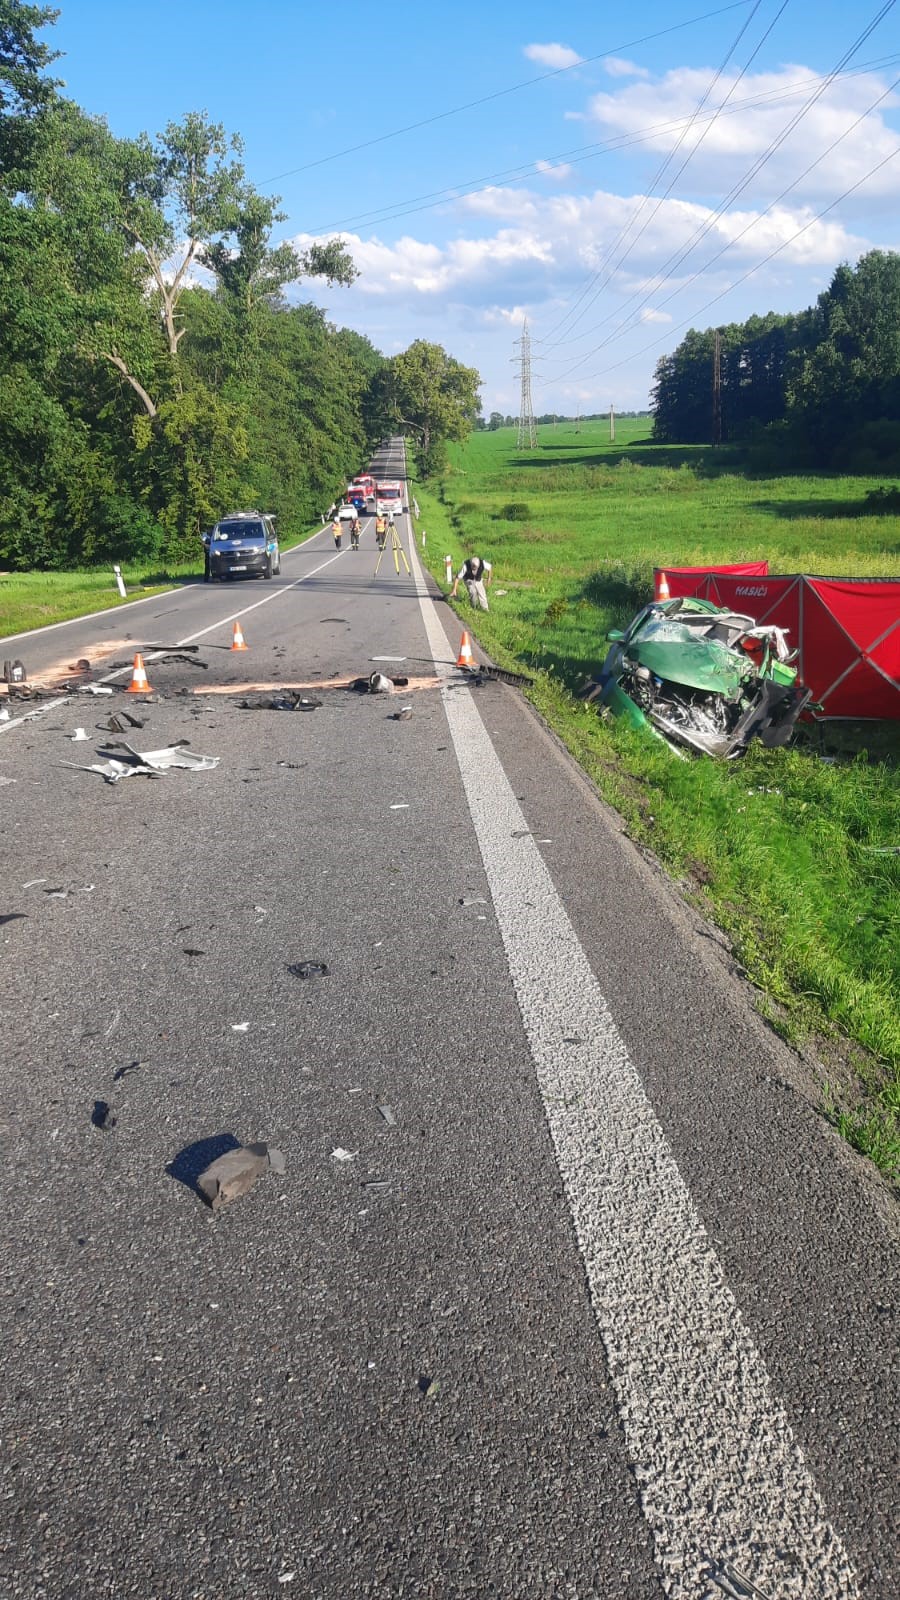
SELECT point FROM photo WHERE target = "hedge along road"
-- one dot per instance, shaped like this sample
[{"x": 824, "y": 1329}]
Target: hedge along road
[{"x": 570, "y": 1324}]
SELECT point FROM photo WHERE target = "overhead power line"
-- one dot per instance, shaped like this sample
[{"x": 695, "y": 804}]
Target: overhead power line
[
  {"x": 628, "y": 360},
  {"x": 579, "y": 154},
  {"x": 608, "y": 265},
  {"x": 498, "y": 94},
  {"x": 679, "y": 256},
  {"x": 633, "y": 319}
]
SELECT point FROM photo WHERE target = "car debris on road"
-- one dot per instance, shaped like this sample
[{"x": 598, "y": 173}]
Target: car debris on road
[{"x": 149, "y": 763}]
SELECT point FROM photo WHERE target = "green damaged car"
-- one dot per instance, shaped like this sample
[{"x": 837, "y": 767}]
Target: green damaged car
[{"x": 703, "y": 677}]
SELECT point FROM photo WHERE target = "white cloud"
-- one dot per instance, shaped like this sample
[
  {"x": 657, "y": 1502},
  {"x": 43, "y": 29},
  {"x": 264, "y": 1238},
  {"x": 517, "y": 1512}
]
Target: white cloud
[
  {"x": 726, "y": 146},
  {"x": 555, "y": 169},
  {"x": 553, "y": 56},
  {"x": 618, "y": 67},
  {"x": 649, "y": 315}
]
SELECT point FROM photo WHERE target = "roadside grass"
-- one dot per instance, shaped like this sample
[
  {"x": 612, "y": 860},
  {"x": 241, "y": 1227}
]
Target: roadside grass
[
  {"x": 793, "y": 855},
  {"x": 36, "y": 599}
]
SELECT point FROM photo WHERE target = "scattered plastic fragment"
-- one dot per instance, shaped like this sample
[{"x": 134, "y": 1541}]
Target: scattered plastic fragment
[
  {"x": 150, "y": 763},
  {"x": 78, "y": 735},
  {"x": 340, "y": 1154},
  {"x": 402, "y": 805},
  {"x": 375, "y": 1183},
  {"x": 4, "y": 780},
  {"x": 4, "y": 715},
  {"x": 379, "y": 684},
  {"x": 120, "y": 722},
  {"x": 428, "y": 1387},
  {"x": 387, "y": 658},
  {"x": 32, "y": 882},
  {"x": 93, "y": 688},
  {"x": 404, "y": 714},
  {"x": 473, "y": 900},
  {"x": 102, "y": 1115},
  {"x": 239, "y": 1027},
  {"x": 522, "y": 833},
  {"x": 235, "y": 1172},
  {"x": 189, "y": 951},
  {"x": 308, "y": 969},
  {"x": 387, "y": 1112}
]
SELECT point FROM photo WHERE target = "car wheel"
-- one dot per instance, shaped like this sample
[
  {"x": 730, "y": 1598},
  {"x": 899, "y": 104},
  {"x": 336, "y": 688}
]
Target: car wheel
[
  {"x": 268, "y": 571},
  {"x": 278, "y": 568}
]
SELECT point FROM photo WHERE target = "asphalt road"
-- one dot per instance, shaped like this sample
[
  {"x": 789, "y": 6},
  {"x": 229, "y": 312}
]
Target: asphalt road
[{"x": 598, "y": 1306}]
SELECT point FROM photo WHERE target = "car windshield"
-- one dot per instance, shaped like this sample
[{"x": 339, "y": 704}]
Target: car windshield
[{"x": 247, "y": 532}]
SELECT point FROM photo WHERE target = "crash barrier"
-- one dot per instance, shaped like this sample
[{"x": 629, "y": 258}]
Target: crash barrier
[{"x": 847, "y": 630}]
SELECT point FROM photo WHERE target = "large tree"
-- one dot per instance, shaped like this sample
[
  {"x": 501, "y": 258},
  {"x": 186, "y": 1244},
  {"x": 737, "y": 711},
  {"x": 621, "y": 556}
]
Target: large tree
[{"x": 429, "y": 394}]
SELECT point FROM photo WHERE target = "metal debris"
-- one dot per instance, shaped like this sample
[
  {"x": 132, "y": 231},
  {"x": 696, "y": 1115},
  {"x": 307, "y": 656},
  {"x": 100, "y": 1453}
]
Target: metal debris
[
  {"x": 340, "y": 1154},
  {"x": 309, "y": 969}
]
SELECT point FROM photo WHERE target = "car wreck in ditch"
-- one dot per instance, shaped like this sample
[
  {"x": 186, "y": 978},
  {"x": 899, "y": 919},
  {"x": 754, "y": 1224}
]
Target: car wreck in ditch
[{"x": 702, "y": 676}]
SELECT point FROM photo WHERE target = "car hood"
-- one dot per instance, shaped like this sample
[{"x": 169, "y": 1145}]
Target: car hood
[{"x": 671, "y": 650}]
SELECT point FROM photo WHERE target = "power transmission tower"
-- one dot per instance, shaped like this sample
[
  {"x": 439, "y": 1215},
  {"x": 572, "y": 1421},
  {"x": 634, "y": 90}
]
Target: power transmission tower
[
  {"x": 527, "y": 435},
  {"x": 717, "y": 390}
]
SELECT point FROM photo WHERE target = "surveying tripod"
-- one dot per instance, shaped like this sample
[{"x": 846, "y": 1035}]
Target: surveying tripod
[{"x": 399, "y": 552}]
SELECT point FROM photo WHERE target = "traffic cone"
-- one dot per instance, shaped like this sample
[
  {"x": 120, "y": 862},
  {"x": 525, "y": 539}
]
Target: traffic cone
[
  {"x": 138, "y": 684},
  {"x": 465, "y": 657},
  {"x": 662, "y": 587},
  {"x": 238, "y": 642}
]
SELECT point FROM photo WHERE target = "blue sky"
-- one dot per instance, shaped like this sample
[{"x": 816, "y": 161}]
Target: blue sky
[{"x": 615, "y": 202}]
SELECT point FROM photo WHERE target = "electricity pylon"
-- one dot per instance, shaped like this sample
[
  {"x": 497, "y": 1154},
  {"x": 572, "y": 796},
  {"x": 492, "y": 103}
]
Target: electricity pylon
[{"x": 527, "y": 435}]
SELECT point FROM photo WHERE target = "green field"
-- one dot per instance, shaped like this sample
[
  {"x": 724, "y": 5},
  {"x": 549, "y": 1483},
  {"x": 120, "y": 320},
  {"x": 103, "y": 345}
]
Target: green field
[{"x": 793, "y": 852}]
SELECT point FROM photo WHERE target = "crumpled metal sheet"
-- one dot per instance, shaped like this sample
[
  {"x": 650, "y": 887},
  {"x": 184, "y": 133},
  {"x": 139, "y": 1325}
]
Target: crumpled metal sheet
[{"x": 147, "y": 763}]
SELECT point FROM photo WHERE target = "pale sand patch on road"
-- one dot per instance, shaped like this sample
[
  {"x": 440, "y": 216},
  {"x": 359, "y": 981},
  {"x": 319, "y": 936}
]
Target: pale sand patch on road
[
  {"x": 97, "y": 654},
  {"x": 313, "y": 683}
]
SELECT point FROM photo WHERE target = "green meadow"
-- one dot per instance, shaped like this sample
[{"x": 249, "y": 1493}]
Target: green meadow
[{"x": 793, "y": 852}]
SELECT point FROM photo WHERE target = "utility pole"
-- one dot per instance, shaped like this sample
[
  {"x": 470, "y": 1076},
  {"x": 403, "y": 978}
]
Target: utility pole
[
  {"x": 527, "y": 435},
  {"x": 612, "y": 424},
  {"x": 578, "y": 423},
  {"x": 717, "y": 389}
]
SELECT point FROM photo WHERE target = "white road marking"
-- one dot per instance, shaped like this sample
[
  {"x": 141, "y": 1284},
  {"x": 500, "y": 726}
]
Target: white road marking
[{"x": 721, "y": 1476}]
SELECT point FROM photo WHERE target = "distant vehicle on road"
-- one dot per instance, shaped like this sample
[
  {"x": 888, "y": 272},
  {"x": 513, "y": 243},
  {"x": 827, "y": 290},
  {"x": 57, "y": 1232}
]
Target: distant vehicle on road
[
  {"x": 347, "y": 513},
  {"x": 389, "y": 498},
  {"x": 243, "y": 544}
]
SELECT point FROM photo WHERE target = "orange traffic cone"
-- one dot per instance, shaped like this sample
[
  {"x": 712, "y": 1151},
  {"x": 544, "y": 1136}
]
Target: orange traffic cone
[
  {"x": 662, "y": 587},
  {"x": 465, "y": 657},
  {"x": 138, "y": 684},
  {"x": 237, "y": 642}
]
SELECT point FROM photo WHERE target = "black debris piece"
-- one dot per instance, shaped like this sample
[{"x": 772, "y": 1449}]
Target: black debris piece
[
  {"x": 102, "y": 1115},
  {"x": 12, "y": 916},
  {"x": 189, "y": 952},
  {"x": 308, "y": 969},
  {"x": 122, "y": 1072}
]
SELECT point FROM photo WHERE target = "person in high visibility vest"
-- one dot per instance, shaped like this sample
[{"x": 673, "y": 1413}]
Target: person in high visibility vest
[
  {"x": 380, "y": 530},
  {"x": 337, "y": 530}
]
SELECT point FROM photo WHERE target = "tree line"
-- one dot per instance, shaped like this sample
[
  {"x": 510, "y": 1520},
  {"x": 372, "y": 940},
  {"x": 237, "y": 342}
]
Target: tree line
[
  {"x": 153, "y": 374},
  {"x": 817, "y": 388}
]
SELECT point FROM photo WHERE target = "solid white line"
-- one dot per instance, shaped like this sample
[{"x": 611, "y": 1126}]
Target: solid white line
[
  {"x": 721, "y": 1476},
  {"x": 108, "y": 611}
]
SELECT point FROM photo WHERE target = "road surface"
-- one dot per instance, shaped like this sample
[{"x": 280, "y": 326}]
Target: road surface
[{"x": 566, "y": 1290}]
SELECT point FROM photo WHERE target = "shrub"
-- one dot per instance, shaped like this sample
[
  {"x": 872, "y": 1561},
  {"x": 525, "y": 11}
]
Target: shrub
[{"x": 515, "y": 511}]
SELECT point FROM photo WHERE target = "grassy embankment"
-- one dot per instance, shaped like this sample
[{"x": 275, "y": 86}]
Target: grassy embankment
[
  {"x": 34, "y": 599},
  {"x": 794, "y": 856}
]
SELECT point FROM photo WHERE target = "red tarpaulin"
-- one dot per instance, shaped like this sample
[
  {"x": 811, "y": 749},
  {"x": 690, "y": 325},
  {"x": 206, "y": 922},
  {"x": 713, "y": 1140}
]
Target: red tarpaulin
[
  {"x": 752, "y": 569},
  {"x": 846, "y": 629}
]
